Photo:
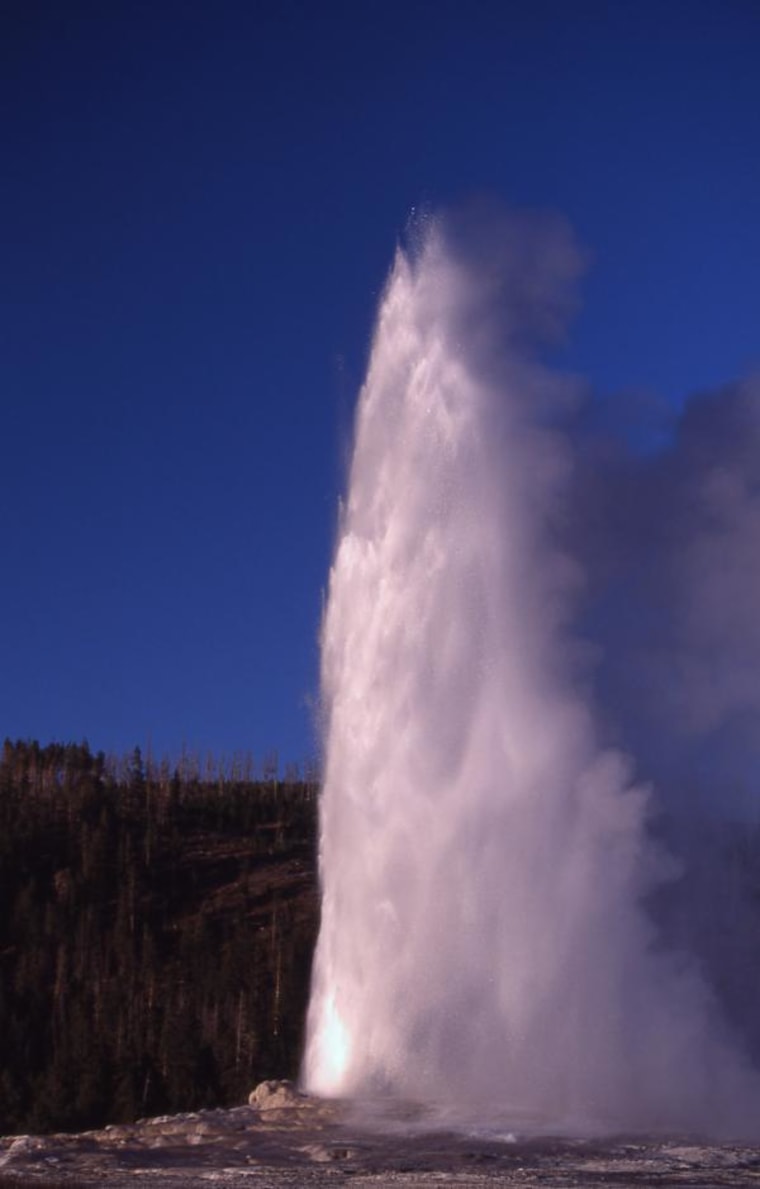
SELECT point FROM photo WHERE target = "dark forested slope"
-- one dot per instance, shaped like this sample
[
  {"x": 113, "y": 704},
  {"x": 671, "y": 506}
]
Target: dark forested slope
[{"x": 156, "y": 934}]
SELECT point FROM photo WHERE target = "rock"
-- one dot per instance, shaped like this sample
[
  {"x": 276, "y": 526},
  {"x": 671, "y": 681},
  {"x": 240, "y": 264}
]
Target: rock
[
  {"x": 275, "y": 1095},
  {"x": 22, "y": 1147}
]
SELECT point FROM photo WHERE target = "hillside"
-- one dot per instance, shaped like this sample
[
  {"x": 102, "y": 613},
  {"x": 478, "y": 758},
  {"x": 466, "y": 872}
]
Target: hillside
[{"x": 157, "y": 933}]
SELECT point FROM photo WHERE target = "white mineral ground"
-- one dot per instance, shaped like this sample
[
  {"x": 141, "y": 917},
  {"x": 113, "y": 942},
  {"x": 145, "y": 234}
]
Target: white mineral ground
[{"x": 286, "y": 1138}]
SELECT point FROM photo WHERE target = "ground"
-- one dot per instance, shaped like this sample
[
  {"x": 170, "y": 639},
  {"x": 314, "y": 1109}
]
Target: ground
[{"x": 286, "y": 1139}]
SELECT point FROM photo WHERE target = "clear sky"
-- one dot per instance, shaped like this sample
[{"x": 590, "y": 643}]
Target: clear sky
[{"x": 199, "y": 205}]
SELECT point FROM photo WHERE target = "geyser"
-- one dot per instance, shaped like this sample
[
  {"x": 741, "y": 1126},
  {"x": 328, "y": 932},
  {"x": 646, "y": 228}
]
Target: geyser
[{"x": 484, "y": 856}]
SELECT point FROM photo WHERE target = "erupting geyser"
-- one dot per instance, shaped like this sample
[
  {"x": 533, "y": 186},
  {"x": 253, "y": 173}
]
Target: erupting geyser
[{"x": 483, "y": 855}]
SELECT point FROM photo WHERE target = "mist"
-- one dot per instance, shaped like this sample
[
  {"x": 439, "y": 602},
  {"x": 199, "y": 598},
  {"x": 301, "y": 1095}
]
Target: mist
[
  {"x": 533, "y": 699},
  {"x": 670, "y": 546}
]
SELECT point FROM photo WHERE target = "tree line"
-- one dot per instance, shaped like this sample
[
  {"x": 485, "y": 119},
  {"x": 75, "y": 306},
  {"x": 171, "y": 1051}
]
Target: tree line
[{"x": 156, "y": 933}]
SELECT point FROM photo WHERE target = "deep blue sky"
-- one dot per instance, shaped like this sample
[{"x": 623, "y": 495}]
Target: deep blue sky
[{"x": 199, "y": 205}]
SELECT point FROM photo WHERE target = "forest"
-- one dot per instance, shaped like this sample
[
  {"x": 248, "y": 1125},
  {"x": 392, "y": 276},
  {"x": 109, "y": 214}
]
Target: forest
[
  {"x": 156, "y": 936},
  {"x": 159, "y": 921}
]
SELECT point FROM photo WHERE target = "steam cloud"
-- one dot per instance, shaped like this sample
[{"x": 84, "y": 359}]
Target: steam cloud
[
  {"x": 527, "y": 620},
  {"x": 673, "y": 548}
]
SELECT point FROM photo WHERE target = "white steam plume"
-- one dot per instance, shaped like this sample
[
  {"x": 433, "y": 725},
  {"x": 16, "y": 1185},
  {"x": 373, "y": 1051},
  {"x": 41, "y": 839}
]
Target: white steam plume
[
  {"x": 670, "y": 544},
  {"x": 483, "y": 855}
]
